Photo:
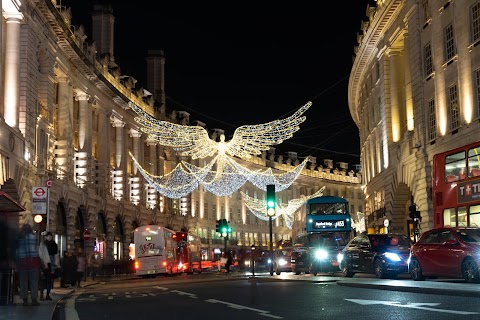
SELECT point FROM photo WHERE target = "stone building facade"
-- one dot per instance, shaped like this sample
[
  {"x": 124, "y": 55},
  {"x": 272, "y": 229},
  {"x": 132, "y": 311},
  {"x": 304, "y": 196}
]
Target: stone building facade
[
  {"x": 66, "y": 120},
  {"x": 414, "y": 93}
]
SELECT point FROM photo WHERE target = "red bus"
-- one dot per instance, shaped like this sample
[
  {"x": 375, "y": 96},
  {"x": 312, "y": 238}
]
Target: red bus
[
  {"x": 456, "y": 187},
  {"x": 189, "y": 253}
]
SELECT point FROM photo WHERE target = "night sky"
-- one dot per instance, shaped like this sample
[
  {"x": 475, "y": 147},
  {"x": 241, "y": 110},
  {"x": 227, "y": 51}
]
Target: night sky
[{"x": 245, "y": 63}]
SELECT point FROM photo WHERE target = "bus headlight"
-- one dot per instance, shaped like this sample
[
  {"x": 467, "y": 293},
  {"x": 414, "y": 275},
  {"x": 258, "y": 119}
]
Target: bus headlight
[
  {"x": 321, "y": 254},
  {"x": 392, "y": 256}
]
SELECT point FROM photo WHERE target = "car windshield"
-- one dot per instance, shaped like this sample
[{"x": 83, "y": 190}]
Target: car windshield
[
  {"x": 385, "y": 241},
  {"x": 469, "y": 235},
  {"x": 327, "y": 240},
  {"x": 284, "y": 253}
]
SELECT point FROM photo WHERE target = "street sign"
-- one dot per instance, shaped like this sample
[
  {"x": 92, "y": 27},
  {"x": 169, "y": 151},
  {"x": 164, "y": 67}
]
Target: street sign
[
  {"x": 39, "y": 200},
  {"x": 49, "y": 183},
  {"x": 86, "y": 235}
]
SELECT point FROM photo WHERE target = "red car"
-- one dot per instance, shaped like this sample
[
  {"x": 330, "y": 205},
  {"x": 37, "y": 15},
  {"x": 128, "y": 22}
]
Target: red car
[{"x": 452, "y": 252}]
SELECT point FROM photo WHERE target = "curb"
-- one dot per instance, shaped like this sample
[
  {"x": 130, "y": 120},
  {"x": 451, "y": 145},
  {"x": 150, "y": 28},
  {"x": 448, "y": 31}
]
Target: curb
[{"x": 426, "y": 290}]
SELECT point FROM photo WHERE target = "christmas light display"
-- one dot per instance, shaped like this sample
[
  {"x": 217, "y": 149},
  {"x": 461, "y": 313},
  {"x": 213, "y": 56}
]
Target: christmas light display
[
  {"x": 259, "y": 207},
  {"x": 224, "y": 181},
  {"x": 229, "y": 175},
  {"x": 194, "y": 142}
]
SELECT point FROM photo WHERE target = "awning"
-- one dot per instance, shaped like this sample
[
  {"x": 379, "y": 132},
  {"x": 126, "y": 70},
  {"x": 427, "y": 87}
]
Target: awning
[{"x": 8, "y": 204}]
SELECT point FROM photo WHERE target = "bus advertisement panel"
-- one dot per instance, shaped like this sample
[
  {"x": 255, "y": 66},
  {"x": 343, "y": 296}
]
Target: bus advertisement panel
[{"x": 155, "y": 251}]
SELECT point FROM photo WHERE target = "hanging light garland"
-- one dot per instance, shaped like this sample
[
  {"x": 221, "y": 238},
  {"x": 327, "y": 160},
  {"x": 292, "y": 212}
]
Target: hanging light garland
[
  {"x": 229, "y": 176},
  {"x": 259, "y": 207}
]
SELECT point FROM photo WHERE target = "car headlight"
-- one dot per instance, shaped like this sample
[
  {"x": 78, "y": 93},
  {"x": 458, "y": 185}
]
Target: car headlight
[
  {"x": 269, "y": 261},
  {"x": 321, "y": 254},
  {"x": 392, "y": 256},
  {"x": 282, "y": 262},
  {"x": 339, "y": 257}
]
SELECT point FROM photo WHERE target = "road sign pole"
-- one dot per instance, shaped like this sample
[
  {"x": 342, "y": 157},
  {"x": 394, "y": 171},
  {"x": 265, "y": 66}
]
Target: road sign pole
[{"x": 48, "y": 210}]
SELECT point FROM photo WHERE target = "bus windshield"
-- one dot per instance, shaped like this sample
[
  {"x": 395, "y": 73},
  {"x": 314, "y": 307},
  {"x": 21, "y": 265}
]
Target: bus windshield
[{"x": 328, "y": 208}]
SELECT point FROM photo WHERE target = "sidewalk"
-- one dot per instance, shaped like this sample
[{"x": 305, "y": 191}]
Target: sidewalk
[
  {"x": 44, "y": 311},
  {"x": 456, "y": 287}
]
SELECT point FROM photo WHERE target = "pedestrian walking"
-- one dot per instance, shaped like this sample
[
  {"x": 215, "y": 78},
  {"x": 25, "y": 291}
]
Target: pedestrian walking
[
  {"x": 229, "y": 261},
  {"x": 93, "y": 265},
  {"x": 70, "y": 264},
  {"x": 81, "y": 267},
  {"x": 28, "y": 264},
  {"x": 48, "y": 252}
]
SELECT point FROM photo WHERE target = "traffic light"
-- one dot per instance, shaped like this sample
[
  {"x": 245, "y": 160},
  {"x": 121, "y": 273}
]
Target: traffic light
[
  {"x": 271, "y": 203},
  {"x": 218, "y": 226},
  {"x": 414, "y": 213},
  {"x": 412, "y": 209},
  {"x": 223, "y": 227}
]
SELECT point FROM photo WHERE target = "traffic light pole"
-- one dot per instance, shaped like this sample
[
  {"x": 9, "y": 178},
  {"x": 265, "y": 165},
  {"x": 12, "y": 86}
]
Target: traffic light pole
[{"x": 271, "y": 245}]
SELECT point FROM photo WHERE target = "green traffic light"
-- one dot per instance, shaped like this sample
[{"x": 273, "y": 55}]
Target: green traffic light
[
  {"x": 270, "y": 204},
  {"x": 224, "y": 230}
]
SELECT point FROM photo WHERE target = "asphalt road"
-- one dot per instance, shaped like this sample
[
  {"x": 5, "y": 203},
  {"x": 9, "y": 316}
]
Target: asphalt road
[{"x": 235, "y": 298}]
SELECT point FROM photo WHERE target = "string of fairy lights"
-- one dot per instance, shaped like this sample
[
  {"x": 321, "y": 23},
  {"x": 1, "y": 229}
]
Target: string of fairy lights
[{"x": 223, "y": 174}]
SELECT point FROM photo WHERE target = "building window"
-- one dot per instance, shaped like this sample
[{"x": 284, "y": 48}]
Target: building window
[
  {"x": 449, "y": 43},
  {"x": 476, "y": 80},
  {"x": 453, "y": 107},
  {"x": 475, "y": 21},
  {"x": 426, "y": 12},
  {"x": 432, "y": 120},
  {"x": 427, "y": 57}
]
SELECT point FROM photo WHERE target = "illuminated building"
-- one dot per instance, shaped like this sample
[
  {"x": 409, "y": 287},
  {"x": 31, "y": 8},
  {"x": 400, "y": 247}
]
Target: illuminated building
[{"x": 413, "y": 93}]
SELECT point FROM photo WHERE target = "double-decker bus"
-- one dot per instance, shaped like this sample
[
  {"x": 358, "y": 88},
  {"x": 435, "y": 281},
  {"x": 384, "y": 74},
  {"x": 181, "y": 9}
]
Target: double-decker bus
[
  {"x": 155, "y": 251},
  {"x": 189, "y": 253},
  {"x": 456, "y": 187},
  {"x": 328, "y": 229}
]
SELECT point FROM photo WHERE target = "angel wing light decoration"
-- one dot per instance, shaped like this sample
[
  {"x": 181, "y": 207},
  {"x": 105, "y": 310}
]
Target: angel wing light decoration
[
  {"x": 229, "y": 176},
  {"x": 259, "y": 207}
]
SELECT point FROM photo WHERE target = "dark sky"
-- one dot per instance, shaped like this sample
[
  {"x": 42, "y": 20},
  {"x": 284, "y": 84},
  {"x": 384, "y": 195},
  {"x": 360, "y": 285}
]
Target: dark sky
[{"x": 241, "y": 63}]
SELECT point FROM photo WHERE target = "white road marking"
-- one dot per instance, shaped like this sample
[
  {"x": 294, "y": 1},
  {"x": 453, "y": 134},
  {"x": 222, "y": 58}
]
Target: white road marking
[
  {"x": 240, "y": 307},
  {"x": 420, "y": 306},
  {"x": 161, "y": 288},
  {"x": 70, "y": 312},
  {"x": 182, "y": 293}
]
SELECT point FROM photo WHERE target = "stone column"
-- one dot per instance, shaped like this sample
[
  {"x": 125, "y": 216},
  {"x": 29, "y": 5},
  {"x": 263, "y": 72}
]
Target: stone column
[
  {"x": 396, "y": 94},
  {"x": 64, "y": 143},
  {"x": 408, "y": 85},
  {"x": 135, "y": 134},
  {"x": 84, "y": 123},
  {"x": 119, "y": 170},
  {"x": 12, "y": 68}
]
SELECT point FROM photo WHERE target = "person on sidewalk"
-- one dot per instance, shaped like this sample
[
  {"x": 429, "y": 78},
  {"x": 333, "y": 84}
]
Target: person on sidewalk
[
  {"x": 28, "y": 264},
  {"x": 229, "y": 261},
  {"x": 48, "y": 252},
  {"x": 81, "y": 267}
]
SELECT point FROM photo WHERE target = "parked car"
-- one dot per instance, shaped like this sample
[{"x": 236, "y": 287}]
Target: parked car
[
  {"x": 447, "y": 252},
  {"x": 282, "y": 260},
  {"x": 385, "y": 255}
]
